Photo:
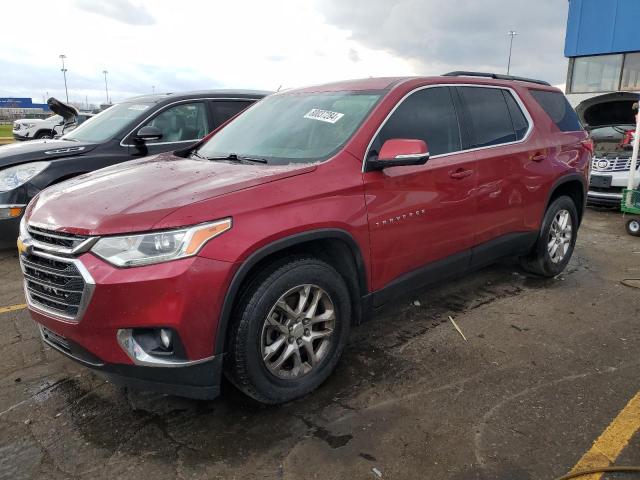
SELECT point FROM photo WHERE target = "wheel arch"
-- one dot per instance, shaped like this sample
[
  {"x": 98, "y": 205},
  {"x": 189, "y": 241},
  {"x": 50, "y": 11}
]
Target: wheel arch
[
  {"x": 334, "y": 246},
  {"x": 43, "y": 130},
  {"x": 572, "y": 185}
]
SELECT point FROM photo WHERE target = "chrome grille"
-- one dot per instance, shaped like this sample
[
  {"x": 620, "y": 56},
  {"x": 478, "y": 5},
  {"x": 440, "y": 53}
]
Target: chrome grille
[
  {"x": 53, "y": 284},
  {"x": 55, "y": 239},
  {"x": 611, "y": 164}
]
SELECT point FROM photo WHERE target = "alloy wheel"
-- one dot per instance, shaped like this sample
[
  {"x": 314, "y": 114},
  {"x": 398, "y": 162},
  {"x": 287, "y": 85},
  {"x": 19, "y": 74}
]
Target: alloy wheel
[
  {"x": 298, "y": 331},
  {"x": 560, "y": 236}
]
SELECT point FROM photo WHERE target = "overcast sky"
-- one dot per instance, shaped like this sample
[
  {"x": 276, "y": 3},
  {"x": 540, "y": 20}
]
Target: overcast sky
[{"x": 266, "y": 44}]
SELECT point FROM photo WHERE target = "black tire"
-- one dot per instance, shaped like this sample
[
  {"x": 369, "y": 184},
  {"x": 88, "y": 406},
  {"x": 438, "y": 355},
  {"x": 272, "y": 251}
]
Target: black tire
[
  {"x": 539, "y": 261},
  {"x": 633, "y": 227},
  {"x": 43, "y": 134},
  {"x": 244, "y": 365}
]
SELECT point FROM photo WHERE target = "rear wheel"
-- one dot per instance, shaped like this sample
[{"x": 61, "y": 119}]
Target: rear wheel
[
  {"x": 556, "y": 240},
  {"x": 289, "y": 330},
  {"x": 633, "y": 227}
]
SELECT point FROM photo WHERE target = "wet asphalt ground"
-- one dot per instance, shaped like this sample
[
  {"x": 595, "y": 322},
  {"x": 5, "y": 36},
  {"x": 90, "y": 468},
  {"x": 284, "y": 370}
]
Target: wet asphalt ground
[{"x": 547, "y": 365}]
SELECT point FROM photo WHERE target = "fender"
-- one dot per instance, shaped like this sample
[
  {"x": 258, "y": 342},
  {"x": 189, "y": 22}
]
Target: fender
[
  {"x": 274, "y": 247},
  {"x": 569, "y": 177}
]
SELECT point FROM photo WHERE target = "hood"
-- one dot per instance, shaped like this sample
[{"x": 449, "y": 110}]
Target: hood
[
  {"x": 135, "y": 196},
  {"x": 30, "y": 120},
  {"x": 22, "y": 152},
  {"x": 67, "y": 112},
  {"x": 608, "y": 109}
]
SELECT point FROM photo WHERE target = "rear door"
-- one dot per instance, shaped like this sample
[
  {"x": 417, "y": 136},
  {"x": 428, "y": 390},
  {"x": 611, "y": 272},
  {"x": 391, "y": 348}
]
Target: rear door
[
  {"x": 223, "y": 110},
  {"x": 509, "y": 178},
  {"x": 422, "y": 214}
]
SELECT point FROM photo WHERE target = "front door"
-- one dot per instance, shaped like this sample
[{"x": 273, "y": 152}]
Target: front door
[
  {"x": 181, "y": 125},
  {"x": 423, "y": 214}
]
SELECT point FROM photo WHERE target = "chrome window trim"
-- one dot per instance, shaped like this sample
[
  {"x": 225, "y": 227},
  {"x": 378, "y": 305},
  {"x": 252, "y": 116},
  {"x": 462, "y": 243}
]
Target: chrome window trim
[
  {"x": 9, "y": 205},
  {"x": 177, "y": 102},
  {"x": 87, "y": 293},
  {"x": 516, "y": 97},
  {"x": 139, "y": 357}
]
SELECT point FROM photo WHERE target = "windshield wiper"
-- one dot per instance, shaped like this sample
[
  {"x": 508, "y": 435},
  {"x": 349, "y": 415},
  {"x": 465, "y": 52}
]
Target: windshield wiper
[{"x": 238, "y": 158}]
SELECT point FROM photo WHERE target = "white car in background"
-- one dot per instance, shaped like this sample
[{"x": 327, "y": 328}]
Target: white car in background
[
  {"x": 30, "y": 128},
  {"x": 66, "y": 118},
  {"x": 609, "y": 118}
]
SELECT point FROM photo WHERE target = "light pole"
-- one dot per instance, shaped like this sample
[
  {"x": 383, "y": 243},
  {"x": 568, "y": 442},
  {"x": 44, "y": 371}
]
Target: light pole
[
  {"x": 106, "y": 87},
  {"x": 64, "y": 73},
  {"x": 512, "y": 33},
  {"x": 153, "y": 89}
]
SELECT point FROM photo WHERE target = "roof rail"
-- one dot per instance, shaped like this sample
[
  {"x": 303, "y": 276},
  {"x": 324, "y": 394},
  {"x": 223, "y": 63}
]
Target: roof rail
[{"x": 496, "y": 76}]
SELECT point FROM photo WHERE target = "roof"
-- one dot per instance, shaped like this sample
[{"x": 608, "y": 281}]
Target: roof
[
  {"x": 173, "y": 96},
  {"x": 387, "y": 83}
]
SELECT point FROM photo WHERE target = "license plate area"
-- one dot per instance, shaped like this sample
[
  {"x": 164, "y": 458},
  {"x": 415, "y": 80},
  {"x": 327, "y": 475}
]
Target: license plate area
[
  {"x": 55, "y": 339},
  {"x": 600, "y": 181}
]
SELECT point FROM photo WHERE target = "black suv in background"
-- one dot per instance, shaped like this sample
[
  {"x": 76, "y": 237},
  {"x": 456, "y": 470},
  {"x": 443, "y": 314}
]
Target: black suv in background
[{"x": 137, "y": 127}]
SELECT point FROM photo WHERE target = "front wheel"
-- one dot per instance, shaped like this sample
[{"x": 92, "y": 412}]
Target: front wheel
[
  {"x": 43, "y": 135},
  {"x": 289, "y": 330},
  {"x": 633, "y": 227},
  {"x": 556, "y": 240}
]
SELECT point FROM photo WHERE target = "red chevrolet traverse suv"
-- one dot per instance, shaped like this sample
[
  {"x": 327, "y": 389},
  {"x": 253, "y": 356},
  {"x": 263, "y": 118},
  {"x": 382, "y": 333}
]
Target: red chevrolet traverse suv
[{"x": 254, "y": 252}]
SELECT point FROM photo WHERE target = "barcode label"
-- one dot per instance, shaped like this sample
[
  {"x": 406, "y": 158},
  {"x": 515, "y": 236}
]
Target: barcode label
[{"x": 324, "y": 115}]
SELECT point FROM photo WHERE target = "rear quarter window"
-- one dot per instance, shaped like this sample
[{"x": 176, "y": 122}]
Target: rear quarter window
[{"x": 558, "y": 109}]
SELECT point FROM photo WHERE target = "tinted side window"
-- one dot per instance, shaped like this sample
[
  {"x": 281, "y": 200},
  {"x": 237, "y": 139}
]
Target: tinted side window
[
  {"x": 223, "y": 110},
  {"x": 558, "y": 108},
  {"x": 520, "y": 123},
  {"x": 427, "y": 115},
  {"x": 187, "y": 121},
  {"x": 488, "y": 115}
]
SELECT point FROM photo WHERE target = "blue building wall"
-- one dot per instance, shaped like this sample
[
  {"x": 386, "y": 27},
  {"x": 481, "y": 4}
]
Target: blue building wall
[{"x": 602, "y": 26}]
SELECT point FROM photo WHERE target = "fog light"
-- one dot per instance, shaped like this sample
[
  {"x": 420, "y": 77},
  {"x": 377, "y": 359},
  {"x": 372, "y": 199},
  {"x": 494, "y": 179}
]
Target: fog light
[{"x": 165, "y": 338}]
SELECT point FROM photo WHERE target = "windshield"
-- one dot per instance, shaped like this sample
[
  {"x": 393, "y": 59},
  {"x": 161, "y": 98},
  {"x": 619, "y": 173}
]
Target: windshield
[
  {"x": 288, "y": 128},
  {"x": 106, "y": 124},
  {"x": 54, "y": 118}
]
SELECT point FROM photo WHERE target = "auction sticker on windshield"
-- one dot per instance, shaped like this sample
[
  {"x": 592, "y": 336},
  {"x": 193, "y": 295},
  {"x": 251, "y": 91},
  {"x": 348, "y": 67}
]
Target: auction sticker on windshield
[
  {"x": 324, "y": 115},
  {"x": 138, "y": 107}
]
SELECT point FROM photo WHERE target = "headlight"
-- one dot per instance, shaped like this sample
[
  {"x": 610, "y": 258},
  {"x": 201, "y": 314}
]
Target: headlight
[
  {"x": 157, "y": 247},
  {"x": 13, "y": 177},
  {"x": 28, "y": 125}
]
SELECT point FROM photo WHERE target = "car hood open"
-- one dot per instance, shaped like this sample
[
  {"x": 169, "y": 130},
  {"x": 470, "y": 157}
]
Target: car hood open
[
  {"x": 67, "y": 112},
  {"x": 41, "y": 150},
  {"x": 135, "y": 196},
  {"x": 608, "y": 109}
]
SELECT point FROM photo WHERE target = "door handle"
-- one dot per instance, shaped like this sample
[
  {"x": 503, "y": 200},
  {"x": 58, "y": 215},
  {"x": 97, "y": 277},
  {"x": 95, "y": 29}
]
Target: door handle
[
  {"x": 460, "y": 173},
  {"x": 538, "y": 157}
]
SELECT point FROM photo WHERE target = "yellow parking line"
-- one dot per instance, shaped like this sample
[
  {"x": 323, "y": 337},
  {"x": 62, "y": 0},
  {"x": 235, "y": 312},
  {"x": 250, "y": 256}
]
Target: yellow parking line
[
  {"x": 13, "y": 308},
  {"x": 614, "y": 439}
]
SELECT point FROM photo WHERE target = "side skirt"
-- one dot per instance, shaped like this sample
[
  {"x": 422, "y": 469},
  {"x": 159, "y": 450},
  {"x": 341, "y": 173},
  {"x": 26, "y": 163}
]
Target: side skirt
[{"x": 513, "y": 244}]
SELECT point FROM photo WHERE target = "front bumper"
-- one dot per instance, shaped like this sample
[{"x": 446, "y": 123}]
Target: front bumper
[
  {"x": 611, "y": 193},
  {"x": 20, "y": 135},
  {"x": 183, "y": 295},
  {"x": 200, "y": 381},
  {"x": 9, "y": 227}
]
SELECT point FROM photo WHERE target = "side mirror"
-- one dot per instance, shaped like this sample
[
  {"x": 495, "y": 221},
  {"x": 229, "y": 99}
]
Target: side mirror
[
  {"x": 147, "y": 134},
  {"x": 398, "y": 152}
]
